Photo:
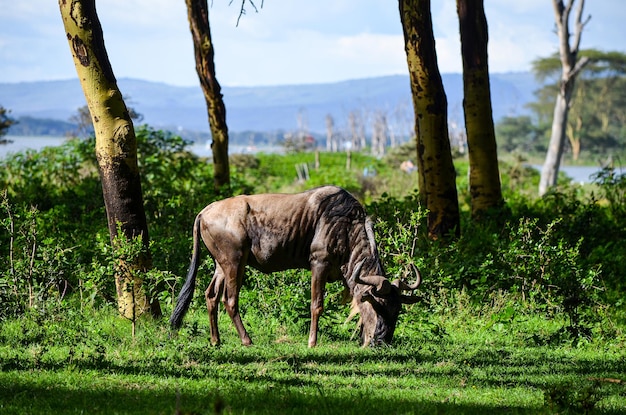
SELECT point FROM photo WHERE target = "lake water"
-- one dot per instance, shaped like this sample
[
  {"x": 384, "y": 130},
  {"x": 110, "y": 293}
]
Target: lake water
[
  {"x": 578, "y": 174},
  {"x": 581, "y": 174},
  {"x": 21, "y": 143}
]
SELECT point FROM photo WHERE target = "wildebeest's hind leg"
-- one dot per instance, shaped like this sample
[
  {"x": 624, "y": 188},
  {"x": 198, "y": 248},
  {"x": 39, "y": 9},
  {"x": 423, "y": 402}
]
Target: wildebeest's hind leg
[
  {"x": 318, "y": 283},
  {"x": 232, "y": 284},
  {"x": 212, "y": 295}
]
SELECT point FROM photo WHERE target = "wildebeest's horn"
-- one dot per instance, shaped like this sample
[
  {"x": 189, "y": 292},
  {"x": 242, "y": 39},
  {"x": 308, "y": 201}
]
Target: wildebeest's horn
[
  {"x": 403, "y": 286},
  {"x": 381, "y": 284},
  {"x": 409, "y": 287}
]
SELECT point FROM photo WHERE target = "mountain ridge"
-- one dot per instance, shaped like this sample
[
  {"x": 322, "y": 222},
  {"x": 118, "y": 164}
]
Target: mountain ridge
[{"x": 268, "y": 108}]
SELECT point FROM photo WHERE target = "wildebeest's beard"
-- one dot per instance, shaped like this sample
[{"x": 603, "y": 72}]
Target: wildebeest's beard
[{"x": 378, "y": 320}]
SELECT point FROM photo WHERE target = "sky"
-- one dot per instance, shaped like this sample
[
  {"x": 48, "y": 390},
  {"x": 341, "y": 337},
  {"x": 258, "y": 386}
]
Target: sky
[{"x": 285, "y": 41}]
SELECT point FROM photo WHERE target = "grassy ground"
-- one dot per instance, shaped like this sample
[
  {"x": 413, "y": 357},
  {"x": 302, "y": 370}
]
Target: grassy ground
[{"x": 88, "y": 363}]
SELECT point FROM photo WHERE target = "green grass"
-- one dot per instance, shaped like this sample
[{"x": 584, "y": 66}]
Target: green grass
[{"x": 440, "y": 363}]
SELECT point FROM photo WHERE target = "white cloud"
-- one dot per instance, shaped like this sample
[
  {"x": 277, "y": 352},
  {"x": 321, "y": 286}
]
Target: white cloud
[
  {"x": 449, "y": 55},
  {"x": 287, "y": 41}
]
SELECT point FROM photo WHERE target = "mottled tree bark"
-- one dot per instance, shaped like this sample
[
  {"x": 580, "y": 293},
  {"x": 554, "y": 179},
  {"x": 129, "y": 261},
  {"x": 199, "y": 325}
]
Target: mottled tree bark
[
  {"x": 436, "y": 174},
  {"x": 198, "y": 14},
  {"x": 116, "y": 147},
  {"x": 485, "y": 187}
]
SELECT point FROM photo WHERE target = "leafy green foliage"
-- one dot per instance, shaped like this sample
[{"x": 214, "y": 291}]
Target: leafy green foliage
[
  {"x": 561, "y": 254},
  {"x": 36, "y": 268}
]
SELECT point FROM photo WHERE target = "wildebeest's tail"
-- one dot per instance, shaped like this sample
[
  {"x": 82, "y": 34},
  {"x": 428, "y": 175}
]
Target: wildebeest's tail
[{"x": 186, "y": 293}]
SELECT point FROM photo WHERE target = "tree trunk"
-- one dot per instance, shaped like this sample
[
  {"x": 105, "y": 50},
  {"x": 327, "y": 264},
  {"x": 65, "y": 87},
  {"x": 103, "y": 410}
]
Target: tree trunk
[
  {"x": 574, "y": 132},
  {"x": 551, "y": 165},
  {"x": 116, "y": 148},
  {"x": 485, "y": 187},
  {"x": 437, "y": 177},
  {"x": 570, "y": 69},
  {"x": 198, "y": 14},
  {"x": 330, "y": 124}
]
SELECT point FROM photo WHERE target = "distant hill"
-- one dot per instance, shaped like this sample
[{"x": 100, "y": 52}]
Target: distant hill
[{"x": 267, "y": 108}]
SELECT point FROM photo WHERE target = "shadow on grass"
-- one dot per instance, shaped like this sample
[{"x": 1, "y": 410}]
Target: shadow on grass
[
  {"x": 35, "y": 397},
  {"x": 289, "y": 379}
]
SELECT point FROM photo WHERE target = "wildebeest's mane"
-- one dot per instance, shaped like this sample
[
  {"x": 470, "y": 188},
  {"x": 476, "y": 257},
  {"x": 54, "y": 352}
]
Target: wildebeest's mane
[
  {"x": 351, "y": 231},
  {"x": 342, "y": 218},
  {"x": 341, "y": 205}
]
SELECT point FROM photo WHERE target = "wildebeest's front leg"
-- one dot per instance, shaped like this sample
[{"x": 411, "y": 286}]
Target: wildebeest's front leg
[
  {"x": 318, "y": 286},
  {"x": 213, "y": 295}
]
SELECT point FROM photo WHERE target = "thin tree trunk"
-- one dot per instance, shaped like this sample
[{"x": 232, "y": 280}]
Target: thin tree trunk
[
  {"x": 116, "y": 148},
  {"x": 485, "y": 187},
  {"x": 198, "y": 14},
  {"x": 330, "y": 124},
  {"x": 437, "y": 177},
  {"x": 551, "y": 165},
  {"x": 570, "y": 69}
]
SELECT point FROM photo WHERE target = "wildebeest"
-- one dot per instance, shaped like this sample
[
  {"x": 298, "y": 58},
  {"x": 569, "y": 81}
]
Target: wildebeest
[{"x": 325, "y": 230}]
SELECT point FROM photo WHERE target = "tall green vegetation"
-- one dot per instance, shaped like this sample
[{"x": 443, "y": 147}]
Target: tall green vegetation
[{"x": 559, "y": 254}]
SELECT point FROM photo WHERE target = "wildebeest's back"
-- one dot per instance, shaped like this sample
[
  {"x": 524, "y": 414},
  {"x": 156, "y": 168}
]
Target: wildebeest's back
[
  {"x": 285, "y": 231},
  {"x": 280, "y": 228}
]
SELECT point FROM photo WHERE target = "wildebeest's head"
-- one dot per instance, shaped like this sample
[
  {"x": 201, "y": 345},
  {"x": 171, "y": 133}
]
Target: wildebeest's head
[{"x": 379, "y": 305}]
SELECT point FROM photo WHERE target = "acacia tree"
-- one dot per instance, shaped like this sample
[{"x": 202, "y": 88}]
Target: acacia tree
[
  {"x": 436, "y": 174},
  {"x": 595, "y": 113},
  {"x": 571, "y": 66},
  {"x": 198, "y": 15},
  {"x": 484, "y": 177},
  {"x": 116, "y": 149}
]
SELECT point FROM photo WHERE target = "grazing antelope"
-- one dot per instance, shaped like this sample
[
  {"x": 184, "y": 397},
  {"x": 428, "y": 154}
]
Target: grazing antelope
[{"x": 324, "y": 230}]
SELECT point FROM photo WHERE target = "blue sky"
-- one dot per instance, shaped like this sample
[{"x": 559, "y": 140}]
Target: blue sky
[{"x": 287, "y": 41}]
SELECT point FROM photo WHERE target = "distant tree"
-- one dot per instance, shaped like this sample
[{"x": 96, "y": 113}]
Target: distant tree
[
  {"x": 82, "y": 119},
  {"x": 198, "y": 15},
  {"x": 571, "y": 66},
  {"x": 84, "y": 125},
  {"x": 116, "y": 149},
  {"x": 598, "y": 103},
  {"x": 5, "y": 123},
  {"x": 484, "y": 177},
  {"x": 356, "y": 126},
  {"x": 436, "y": 174},
  {"x": 330, "y": 126},
  {"x": 380, "y": 133},
  {"x": 519, "y": 134}
]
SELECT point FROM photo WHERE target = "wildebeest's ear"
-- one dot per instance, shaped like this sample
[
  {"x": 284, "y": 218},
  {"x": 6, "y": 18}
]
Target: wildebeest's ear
[
  {"x": 370, "y": 295},
  {"x": 409, "y": 299}
]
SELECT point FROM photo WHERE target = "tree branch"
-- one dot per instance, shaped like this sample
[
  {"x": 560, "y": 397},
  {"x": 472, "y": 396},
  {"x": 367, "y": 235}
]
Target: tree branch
[
  {"x": 242, "y": 10},
  {"x": 561, "y": 17},
  {"x": 582, "y": 62},
  {"x": 579, "y": 26}
]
